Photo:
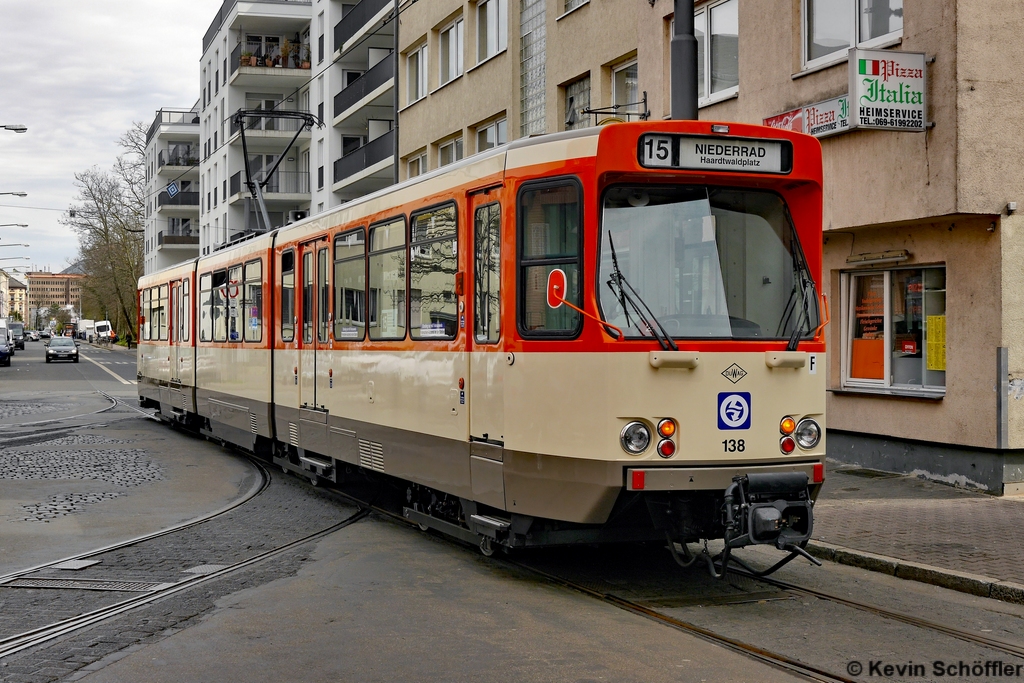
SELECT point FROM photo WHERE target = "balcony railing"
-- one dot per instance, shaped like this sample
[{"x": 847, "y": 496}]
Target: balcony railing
[
  {"x": 225, "y": 10},
  {"x": 286, "y": 125},
  {"x": 180, "y": 155},
  {"x": 260, "y": 54},
  {"x": 369, "y": 154},
  {"x": 180, "y": 199},
  {"x": 282, "y": 182},
  {"x": 177, "y": 237},
  {"x": 171, "y": 116},
  {"x": 365, "y": 84},
  {"x": 356, "y": 19}
]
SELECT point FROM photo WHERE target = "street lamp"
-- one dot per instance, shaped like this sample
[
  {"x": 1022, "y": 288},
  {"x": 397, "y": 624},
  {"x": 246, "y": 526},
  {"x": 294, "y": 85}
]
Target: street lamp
[
  {"x": 13, "y": 225},
  {"x": 16, "y": 194},
  {"x": 15, "y": 258},
  {"x": 16, "y": 127},
  {"x": 13, "y": 245}
]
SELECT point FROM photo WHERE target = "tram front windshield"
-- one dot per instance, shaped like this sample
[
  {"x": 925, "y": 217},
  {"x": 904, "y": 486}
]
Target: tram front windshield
[{"x": 707, "y": 262}]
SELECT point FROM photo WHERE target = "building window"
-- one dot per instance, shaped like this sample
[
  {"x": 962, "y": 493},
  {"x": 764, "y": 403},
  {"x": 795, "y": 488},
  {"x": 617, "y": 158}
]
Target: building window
[
  {"x": 449, "y": 152},
  {"x": 577, "y": 98},
  {"x": 416, "y": 72},
  {"x": 625, "y": 95},
  {"x": 894, "y": 329},
  {"x": 570, "y": 5},
  {"x": 450, "y": 47},
  {"x": 831, "y": 27},
  {"x": 533, "y": 56},
  {"x": 492, "y": 135},
  {"x": 491, "y": 28},
  {"x": 718, "y": 75},
  {"x": 418, "y": 165}
]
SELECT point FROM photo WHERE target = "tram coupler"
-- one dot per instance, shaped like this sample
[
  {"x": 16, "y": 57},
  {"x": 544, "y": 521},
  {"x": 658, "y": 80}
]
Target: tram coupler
[{"x": 769, "y": 508}]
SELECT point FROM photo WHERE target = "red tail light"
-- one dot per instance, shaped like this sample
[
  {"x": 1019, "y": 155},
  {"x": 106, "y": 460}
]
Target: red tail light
[
  {"x": 638, "y": 480},
  {"x": 819, "y": 473},
  {"x": 787, "y": 445}
]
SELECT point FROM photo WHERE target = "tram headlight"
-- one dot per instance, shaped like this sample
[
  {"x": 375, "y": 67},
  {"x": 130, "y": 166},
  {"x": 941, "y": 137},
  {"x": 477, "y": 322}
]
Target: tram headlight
[
  {"x": 635, "y": 438},
  {"x": 808, "y": 433}
]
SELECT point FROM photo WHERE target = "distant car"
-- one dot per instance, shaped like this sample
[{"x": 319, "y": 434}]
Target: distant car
[
  {"x": 62, "y": 348},
  {"x": 44, "y": 334},
  {"x": 32, "y": 335},
  {"x": 5, "y": 351}
]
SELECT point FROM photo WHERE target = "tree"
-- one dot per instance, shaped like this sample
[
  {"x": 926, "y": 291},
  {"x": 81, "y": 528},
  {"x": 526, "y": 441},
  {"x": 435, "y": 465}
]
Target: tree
[
  {"x": 109, "y": 220},
  {"x": 16, "y": 316}
]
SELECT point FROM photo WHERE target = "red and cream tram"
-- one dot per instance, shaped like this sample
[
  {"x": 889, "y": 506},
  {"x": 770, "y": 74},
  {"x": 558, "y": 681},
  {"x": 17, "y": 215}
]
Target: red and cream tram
[{"x": 600, "y": 335}]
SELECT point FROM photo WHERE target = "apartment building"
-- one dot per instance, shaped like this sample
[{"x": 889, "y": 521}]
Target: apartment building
[
  {"x": 172, "y": 188},
  {"x": 17, "y": 298},
  {"x": 319, "y": 57},
  {"x": 46, "y": 289}
]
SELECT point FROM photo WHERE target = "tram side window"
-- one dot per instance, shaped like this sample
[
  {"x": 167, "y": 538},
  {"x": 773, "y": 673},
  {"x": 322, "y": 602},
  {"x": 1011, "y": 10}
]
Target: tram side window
[
  {"x": 220, "y": 326},
  {"x": 288, "y": 296},
  {"x": 350, "y": 286},
  {"x": 206, "y": 307},
  {"x": 487, "y": 267},
  {"x": 185, "y": 319},
  {"x": 433, "y": 262},
  {"x": 252, "y": 305},
  {"x": 146, "y": 293},
  {"x": 323, "y": 320},
  {"x": 387, "y": 280},
  {"x": 162, "y": 317},
  {"x": 233, "y": 301},
  {"x": 549, "y": 238}
]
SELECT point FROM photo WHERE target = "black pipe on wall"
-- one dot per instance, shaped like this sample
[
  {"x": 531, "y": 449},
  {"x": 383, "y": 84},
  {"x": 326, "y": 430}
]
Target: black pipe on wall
[{"x": 684, "y": 63}]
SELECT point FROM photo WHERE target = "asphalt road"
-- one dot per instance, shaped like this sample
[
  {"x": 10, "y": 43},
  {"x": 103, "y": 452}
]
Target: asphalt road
[{"x": 112, "y": 367}]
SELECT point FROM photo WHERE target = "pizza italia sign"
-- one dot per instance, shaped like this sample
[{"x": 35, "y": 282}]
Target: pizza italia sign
[{"x": 887, "y": 90}]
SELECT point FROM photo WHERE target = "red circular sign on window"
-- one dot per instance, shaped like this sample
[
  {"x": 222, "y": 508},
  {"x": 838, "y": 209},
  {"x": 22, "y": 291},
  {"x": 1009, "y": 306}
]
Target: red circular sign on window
[{"x": 556, "y": 287}]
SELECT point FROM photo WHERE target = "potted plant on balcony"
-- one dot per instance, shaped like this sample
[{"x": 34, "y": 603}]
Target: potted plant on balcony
[
  {"x": 286, "y": 51},
  {"x": 245, "y": 59},
  {"x": 306, "y": 56}
]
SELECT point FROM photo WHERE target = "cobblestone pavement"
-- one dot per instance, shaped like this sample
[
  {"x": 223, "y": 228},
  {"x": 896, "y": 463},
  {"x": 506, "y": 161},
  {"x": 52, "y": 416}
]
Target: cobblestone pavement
[{"x": 921, "y": 521}]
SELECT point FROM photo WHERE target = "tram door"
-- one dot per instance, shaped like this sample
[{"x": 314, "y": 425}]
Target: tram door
[
  {"x": 315, "y": 317},
  {"x": 487, "y": 361},
  {"x": 174, "y": 336}
]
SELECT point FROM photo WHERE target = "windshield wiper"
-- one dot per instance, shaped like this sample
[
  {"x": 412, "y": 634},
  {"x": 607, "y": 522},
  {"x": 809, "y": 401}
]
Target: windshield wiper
[
  {"x": 625, "y": 293},
  {"x": 805, "y": 284}
]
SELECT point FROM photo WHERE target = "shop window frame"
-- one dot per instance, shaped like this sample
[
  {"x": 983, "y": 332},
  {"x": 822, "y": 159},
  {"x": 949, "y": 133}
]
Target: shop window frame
[{"x": 885, "y": 385}]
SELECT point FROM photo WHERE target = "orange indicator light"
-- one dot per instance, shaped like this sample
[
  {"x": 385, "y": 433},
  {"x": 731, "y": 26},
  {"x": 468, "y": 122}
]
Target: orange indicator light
[
  {"x": 787, "y": 426},
  {"x": 667, "y": 428}
]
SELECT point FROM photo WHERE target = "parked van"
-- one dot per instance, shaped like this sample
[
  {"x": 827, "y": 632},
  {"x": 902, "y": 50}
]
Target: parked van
[
  {"x": 104, "y": 331},
  {"x": 17, "y": 331},
  {"x": 5, "y": 334}
]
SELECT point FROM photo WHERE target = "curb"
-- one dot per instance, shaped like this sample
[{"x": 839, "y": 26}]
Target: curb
[{"x": 975, "y": 584}]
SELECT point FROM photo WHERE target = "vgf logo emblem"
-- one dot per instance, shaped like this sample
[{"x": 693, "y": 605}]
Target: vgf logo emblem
[{"x": 734, "y": 410}]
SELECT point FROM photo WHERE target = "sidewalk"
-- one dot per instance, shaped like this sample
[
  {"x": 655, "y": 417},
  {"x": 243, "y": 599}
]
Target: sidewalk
[{"x": 920, "y": 530}]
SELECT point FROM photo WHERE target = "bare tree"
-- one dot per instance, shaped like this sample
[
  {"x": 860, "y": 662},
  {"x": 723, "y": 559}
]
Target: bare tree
[{"x": 109, "y": 219}]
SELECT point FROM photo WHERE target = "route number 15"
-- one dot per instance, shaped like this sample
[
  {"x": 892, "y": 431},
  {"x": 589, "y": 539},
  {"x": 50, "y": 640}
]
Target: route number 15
[{"x": 657, "y": 150}]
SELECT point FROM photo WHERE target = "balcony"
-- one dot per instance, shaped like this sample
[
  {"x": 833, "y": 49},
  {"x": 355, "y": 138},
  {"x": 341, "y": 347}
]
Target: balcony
[
  {"x": 284, "y": 186},
  {"x": 186, "y": 200},
  {"x": 267, "y": 134},
  {"x": 369, "y": 97},
  {"x": 259, "y": 64},
  {"x": 367, "y": 169},
  {"x": 357, "y": 18},
  {"x": 177, "y": 238},
  {"x": 225, "y": 11},
  {"x": 172, "y": 116},
  {"x": 179, "y": 156}
]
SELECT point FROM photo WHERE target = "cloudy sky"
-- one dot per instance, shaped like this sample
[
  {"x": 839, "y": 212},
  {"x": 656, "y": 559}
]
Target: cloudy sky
[{"x": 77, "y": 73}]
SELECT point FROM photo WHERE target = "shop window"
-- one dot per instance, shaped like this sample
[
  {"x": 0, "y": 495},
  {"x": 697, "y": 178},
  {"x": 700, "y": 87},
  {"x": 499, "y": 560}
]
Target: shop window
[
  {"x": 895, "y": 329},
  {"x": 252, "y": 305},
  {"x": 549, "y": 238},
  {"x": 433, "y": 262},
  {"x": 387, "y": 280},
  {"x": 831, "y": 27},
  {"x": 350, "y": 286}
]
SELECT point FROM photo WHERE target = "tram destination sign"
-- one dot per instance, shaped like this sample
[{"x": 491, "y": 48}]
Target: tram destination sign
[
  {"x": 887, "y": 90},
  {"x": 706, "y": 153}
]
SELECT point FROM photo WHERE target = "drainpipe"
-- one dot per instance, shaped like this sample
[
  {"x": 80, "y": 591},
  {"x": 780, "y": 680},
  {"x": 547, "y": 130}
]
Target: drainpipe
[
  {"x": 395, "y": 126},
  {"x": 684, "y": 63}
]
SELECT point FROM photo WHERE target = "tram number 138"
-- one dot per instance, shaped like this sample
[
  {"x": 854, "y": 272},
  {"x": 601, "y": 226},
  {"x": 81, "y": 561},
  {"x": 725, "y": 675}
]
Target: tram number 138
[{"x": 734, "y": 445}]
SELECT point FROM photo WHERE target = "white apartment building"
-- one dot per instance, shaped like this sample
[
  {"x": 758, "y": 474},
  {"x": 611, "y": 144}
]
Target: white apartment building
[
  {"x": 172, "y": 192},
  {"x": 322, "y": 57}
]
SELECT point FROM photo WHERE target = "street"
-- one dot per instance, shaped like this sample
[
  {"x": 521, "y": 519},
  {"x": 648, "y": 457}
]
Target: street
[{"x": 291, "y": 582}]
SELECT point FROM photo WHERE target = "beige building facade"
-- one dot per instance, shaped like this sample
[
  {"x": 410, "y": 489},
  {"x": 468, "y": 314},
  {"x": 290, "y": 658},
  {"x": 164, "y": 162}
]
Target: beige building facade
[
  {"x": 46, "y": 289},
  {"x": 922, "y": 239}
]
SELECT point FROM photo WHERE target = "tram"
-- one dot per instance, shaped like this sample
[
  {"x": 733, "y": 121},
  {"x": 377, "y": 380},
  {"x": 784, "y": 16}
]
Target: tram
[{"x": 604, "y": 335}]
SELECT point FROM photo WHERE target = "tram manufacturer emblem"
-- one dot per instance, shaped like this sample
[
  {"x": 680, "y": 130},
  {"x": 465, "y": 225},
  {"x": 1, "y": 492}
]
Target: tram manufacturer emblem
[
  {"x": 734, "y": 373},
  {"x": 734, "y": 410}
]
